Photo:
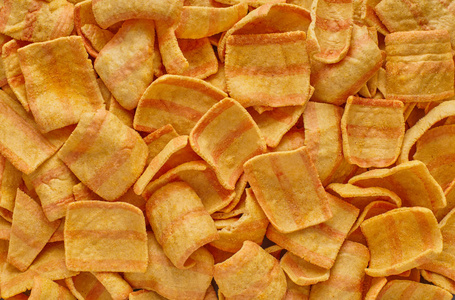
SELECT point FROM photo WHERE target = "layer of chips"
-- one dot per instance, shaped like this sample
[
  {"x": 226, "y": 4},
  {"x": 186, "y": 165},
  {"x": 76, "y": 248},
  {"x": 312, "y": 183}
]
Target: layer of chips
[
  {"x": 86, "y": 286},
  {"x": 399, "y": 289},
  {"x": 302, "y": 272},
  {"x": 44, "y": 288},
  {"x": 201, "y": 58},
  {"x": 11, "y": 178}
]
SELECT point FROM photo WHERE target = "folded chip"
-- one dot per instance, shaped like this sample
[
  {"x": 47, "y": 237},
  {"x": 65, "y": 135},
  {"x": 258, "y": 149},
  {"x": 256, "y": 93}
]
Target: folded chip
[
  {"x": 85, "y": 286},
  {"x": 164, "y": 278},
  {"x": 226, "y": 137},
  {"x": 83, "y": 15},
  {"x": 417, "y": 59},
  {"x": 125, "y": 64},
  {"x": 412, "y": 238},
  {"x": 180, "y": 222},
  {"x": 268, "y": 69},
  {"x": 10, "y": 180},
  {"x": 400, "y": 289},
  {"x": 296, "y": 292},
  {"x": 439, "y": 280},
  {"x": 36, "y": 20},
  {"x": 158, "y": 139},
  {"x": 319, "y": 244},
  {"x": 291, "y": 140},
  {"x": 44, "y": 288},
  {"x": 105, "y": 154},
  {"x": 287, "y": 187},
  {"x": 176, "y": 100},
  {"x": 171, "y": 55},
  {"x": 105, "y": 237},
  {"x": 302, "y": 272},
  {"x": 201, "y": 58},
  {"x": 59, "y": 101},
  {"x": 117, "y": 287},
  {"x": 251, "y": 273}
]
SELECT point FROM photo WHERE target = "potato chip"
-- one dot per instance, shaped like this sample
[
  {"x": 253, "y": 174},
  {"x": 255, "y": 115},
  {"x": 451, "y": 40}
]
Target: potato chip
[
  {"x": 83, "y": 15},
  {"x": 251, "y": 226},
  {"x": 5, "y": 229},
  {"x": 145, "y": 295},
  {"x": 44, "y": 288},
  {"x": 413, "y": 275},
  {"x": 319, "y": 244},
  {"x": 291, "y": 140},
  {"x": 210, "y": 294},
  {"x": 198, "y": 22},
  {"x": 117, "y": 287},
  {"x": 180, "y": 222},
  {"x": 254, "y": 78},
  {"x": 239, "y": 194},
  {"x": 36, "y": 21},
  {"x": 164, "y": 278},
  {"x": 96, "y": 36},
  {"x": 302, "y": 272},
  {"x": 226, "y": 137},
  {"x": 346, "y": 275},
  {"x": 82, "y": 192},
  {"x": 158, "y": 139},
  {"x": 404, "y": 289},
  {"x": 176, "y": 100},
  {"x": 372, "y": 286},
  {"x": 105, "y": 237},
  {"x": 171, "y": 55},
  {"x": 449, "y": 193},
  {"x": 13, "y": 71},
  {"x": 288, "y": 189},
  {"x": 412, "y": 238},
  {"x": 323, "y": 137},
  {"x": 124, "y": 115},
  {"x": 200, "y": 56},
  {"x": 251, "y": 273},
  {"x": 373, "y": 131},
  {"x": 218, "y": 79},
  {"x": 11, "y": 178},
  {"x": 361, "y": 62},
  {"x": 57, "y": 236},
  {"x": 30, "y": 231},
  {"x": 67, "y": 58},
  {"x": 201, "y": 178},
  {"x": 104, "y": 154},
  {"x": 439, "y": 280},
  {"x": 109, "y": 12},
  {"x": 370, "y": 17},
  {"x": 296, "y": 292},
  {"x": 417, "y": 59},
  {"x": 3, "y": 80},
  {"x": 330, "y": 31},
  {"x": 86, "y": 286},
  {"x": 125, "y": 63}
]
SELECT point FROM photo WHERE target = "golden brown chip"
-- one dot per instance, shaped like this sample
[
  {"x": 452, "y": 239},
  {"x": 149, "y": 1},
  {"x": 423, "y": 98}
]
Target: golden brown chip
[
  {"x": 145, "y": 295},
  {"x": 292, "y": 140},
  {"x": 404, "y": 289},
  {"x": 117, "y": 287},
  {"x": 439, "y": 280},
  {"x": 201, "y": 58},
  {"x": 44, "y": 288},
  {"x": 296, "y": 292},
  {"x": 158, "y": 139},
  {"x": 171, "y": 55},
  {"x": 86, "y": 286},
  {"x": 302, "y": 272},
  {"x": 96, "y": 36},
  {"x": 11, "y": 178},
  {"x": 83, "y": 15}
]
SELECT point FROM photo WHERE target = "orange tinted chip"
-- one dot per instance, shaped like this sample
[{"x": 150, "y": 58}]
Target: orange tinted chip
[
  {"x": 10, "y": 180},
  {"x": 86, "y": 285},
  {"x": 394, "y": 289},
  {"x": 44, "y": 288},
  {"x": 117, "y": 287},
  {"x": 201, "y": 58},
  {"x": 302, "y": 272}
]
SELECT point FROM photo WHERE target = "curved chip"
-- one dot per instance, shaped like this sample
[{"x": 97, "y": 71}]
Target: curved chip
[
  {"x": 44, "y": 288},
  {"x": 399, "y": 289},
  {"x": 251, "y": 273},
  {"x": 180, "y": 222},
  {"x": 158, "y": 139},
  {"x": 117, "y": 287},
  {"x": 10, "y": 180},
  {"x": 373, "y": 131},
  {"x": 226, "y": 137},
  {"x": 105, "y": 237},
  {"x": 302, "y": 272},
  {"x": 200, "y": 56},
  {"x": 176, "y": 100},
  {"x": 291, "y": 140},
  {"x": 145, "y": 295},
  {"x": 171, "y": 55},
  {"x": 372, "y": 287},
  {"x": 412, "y": 238},
  {"x": 96, "y": 36},
  {"x": 86, "y": 286},
  {"x": 450, "y": 198},
  {"x": 83, "y": 15},
  {"x": 288, "y": 189},
  {"x": 439, "y": 280}
]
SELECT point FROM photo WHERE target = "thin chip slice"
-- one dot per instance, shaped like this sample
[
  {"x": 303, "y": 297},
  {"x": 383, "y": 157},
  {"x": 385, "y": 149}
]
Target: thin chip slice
[
  {"x": 417, "y": 59},
  {"x": 372, "y": 286},
  {"x": 82, "y": 192},
  {"x": 439, "y": 280},
  {"x": 200, "y": 56},
  {"x": 83, "y": 15},
  {"x": 411, "y": 239},
  {"x": 346, "y": 275},
  {"x": 171, "y": 55},
  {"x": 251, "y": 273},
  {"x": 239, "y": 193},
  {"x": 145, "y": 295},
  {"x": 53, "y": 102},
  {"x": 10, "y": 180},
  {"x": 44, "y": 288},
  {"x": 319, "y": 244},
  {"x": 36, "y": 21},
  {"x": 268, "y": 69},
  {"x": 105, "y": 154},
  {"x": 292, "y": 140},
  {"x": 97, "y": 37},
  {"x": 124, "y": 115},
  {"x": 3, "y": 80},
  {"x": 158, "y": 139},
  {"x": 180, "y": 222},
  {"x": 411, "y": 181},
  {"x": 226, "y": 137},
  {"x": 125, "y": 64},
  {"x": 5, "y": 229},
  {"x": 399, "y": 289},
  {"x": 176, "y": 100},
  {"x": 86, "y": 286},
  {"x": 105, "y": 237},
  {"x": 57, "y": 236},
  {"x": 288, "y": 189},
  {"x": 373, "y": 131},
  {"x": 164, "y": 278},
  {"x": 302, "y": 272},
  {"x": 117, "y": 287},
  {"x": 450, "y": 198},
  {"x": 296, "y": 292},
  {"x": 30, "y": 231}
]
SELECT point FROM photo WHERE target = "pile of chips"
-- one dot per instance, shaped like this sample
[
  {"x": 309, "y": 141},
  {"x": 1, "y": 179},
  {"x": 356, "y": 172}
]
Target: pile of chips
[{"x": 227, "y": 149}]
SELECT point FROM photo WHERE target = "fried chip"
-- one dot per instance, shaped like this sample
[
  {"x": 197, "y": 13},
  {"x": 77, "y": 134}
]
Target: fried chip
[
  {"x": 44, "y": 288},
  {"x": 251, "y": 273},
  {"x": 96, "y": 36},
  {"x": 3, "y": 80},
  {"x": 404, "y": 289},
  {"x": 417, "y": 59},
  {"x": 330, "y": 31},
  {"x": 372, "y": 131},
  {"x": 86, "y": 286},
  {"x": 411, "y": 181},
  {"x": 83, "y": 15},
  {"x": 48, "y": 67},
  {"x": 5, "y": 229},
  {"x": 412, "y": 238},
  {"x": 268, "y": 69},
  {"x": 218, "y": 79},
  {"x": 323, "y": 137},
  {"x": 200, "y": 56},
  {"x": 109, "y": 12},
  {"x": 226, "y": 137},
  {"x": 239, "y": 193},
  {"x": 251, "y": 226},
  {"x": 346, "y": 275},
  {"x": 35, "y": 20},
  {"x": 124, "y": 115},
  {"x": 82, "y": 192},
  {"x": 145, "y": 295},
  {"x": 10, "y": 180},
  {"x": 125, "y": 63},
  {"x": 176, "y": 100},
  {"x": 449, "y": 192},
  {"x": 361, "y": 62},
  {"x": 105, "y": 237},
  {"x": 164, "y": 278},
  {"x": 30, "y": 231},
  {"x": 439, "y": 280},
  {"x": 115, "y": 154},
  {"x": 171, "y": 55},
  {"x": 288, "y": 189},
  {"x": 302, "y": 272},
  {"x": 198, "y": 22},
  {"x": 291, "y": 140},
  {"x": 296, "y": 292},
  {"x": 202, "y": 179},
  {"x": 319, "y": 244},
  {"x": 158, "y": 139},
  {"x": 180, "y": 222},
  {"x": 372, "y": 286},
  {"x": 57, "y": 236},
  {"x": 117, "y": 287}
]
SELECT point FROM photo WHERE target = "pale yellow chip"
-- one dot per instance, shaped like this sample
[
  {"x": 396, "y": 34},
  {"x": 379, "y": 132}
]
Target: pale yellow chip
[
  {"x": 44, "y": 288},
  {"x": 11, "y": 178},
  {"x": 201, "y": 58},
  {"x": 85, "y": 284},
  {"x": 439, "y": 280},
  {"x": 399, "y": 289},
  {"x": 302, "y": 272},
  {"x": 117, "y": 287}
]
